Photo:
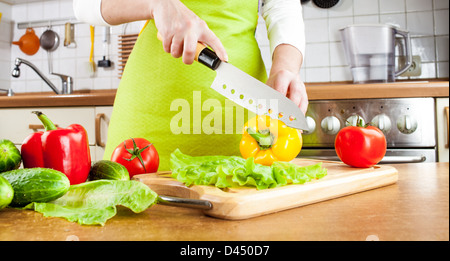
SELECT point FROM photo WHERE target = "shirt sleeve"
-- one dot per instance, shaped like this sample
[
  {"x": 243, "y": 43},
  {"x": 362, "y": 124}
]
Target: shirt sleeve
[
  {"x": 284, "y": 22},
  {"x": 89, "y": 11}
]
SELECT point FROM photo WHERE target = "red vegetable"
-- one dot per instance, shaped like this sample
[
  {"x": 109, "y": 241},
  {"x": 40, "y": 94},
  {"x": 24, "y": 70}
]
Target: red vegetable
[
  {"x": 360, "y": 146},
  {"x": 138, "y": 155},
  {"x": 65, "y": 150}
]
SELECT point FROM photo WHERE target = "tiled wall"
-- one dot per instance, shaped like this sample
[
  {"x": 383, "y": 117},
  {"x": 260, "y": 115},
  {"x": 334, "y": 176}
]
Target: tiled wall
[
  {"x": 427, "y": 20},
  {"x": 5, "y": 45},
  {"x": 70, "y": 61}
]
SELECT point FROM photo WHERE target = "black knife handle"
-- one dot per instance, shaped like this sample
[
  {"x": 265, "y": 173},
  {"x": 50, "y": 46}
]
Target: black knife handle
[{"x": 208, "y": 57}]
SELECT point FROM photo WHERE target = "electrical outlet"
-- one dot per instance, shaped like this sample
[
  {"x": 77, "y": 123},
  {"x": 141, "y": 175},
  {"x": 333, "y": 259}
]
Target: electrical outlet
[{"x": 415, "y": 69}]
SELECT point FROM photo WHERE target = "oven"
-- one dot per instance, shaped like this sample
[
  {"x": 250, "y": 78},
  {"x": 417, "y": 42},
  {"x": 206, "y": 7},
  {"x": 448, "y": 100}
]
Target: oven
[{"x": 409, "y": 125}]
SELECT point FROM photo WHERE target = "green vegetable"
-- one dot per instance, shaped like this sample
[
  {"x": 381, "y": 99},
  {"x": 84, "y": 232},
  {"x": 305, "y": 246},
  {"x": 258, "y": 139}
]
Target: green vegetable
[
  {"x": 94, "y": 202},
  {"x": 106, "y": 169},
  {"x": 10, "y": 157},
  {"x": 6, "y": 192},
  {"x": 36, "y": 185},
  {"x": 230, "y": 171}
]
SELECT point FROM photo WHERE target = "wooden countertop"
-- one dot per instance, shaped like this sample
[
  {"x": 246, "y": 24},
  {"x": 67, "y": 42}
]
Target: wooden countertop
[
  {"x": 50, "y": 99},
  {"x": 416, "y": 208},
  {"x": 316, "y": 91}
]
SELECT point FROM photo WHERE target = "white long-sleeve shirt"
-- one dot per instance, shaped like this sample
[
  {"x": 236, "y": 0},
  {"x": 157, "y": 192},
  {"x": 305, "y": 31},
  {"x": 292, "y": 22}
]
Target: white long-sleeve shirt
[{"x": 284, "y": 20}]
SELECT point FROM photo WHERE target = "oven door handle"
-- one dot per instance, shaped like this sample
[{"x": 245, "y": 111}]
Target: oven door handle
[
  {"x": 385, "y": 160},
  {"x": 404, "y": 159}
]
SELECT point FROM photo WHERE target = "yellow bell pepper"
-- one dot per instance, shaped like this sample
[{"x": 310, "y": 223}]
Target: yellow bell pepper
[{"x": 268, "y": 140}]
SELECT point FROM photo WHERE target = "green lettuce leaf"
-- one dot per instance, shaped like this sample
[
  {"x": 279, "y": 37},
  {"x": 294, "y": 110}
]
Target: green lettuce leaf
[
  {"x": 94, "y": 202},
  {"x": 234, "y": 171}
]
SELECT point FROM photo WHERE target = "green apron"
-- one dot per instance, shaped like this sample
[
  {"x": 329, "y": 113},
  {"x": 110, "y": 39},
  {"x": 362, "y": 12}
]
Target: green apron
[{"x": 171, "y": 104}]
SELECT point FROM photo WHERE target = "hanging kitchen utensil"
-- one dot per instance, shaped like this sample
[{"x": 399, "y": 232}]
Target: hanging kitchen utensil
[
  {"x": 325, "y": 3},
  {"x": 105, "y": 63},
  {"x": 49, "y": 42},
  {"x": 91, "y": 66},
  {"x": 69, "y": 40},
  {"x": 248, "y": 92},
  {"x": 126, "y": 44},
  {"x": 29, "y": 42}
]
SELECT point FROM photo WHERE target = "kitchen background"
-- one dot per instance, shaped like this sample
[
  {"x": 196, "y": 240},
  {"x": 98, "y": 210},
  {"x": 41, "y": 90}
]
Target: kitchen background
[{"x": 427, "y": 21}]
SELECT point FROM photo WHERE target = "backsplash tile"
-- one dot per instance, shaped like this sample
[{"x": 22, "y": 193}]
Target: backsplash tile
[
  {"x": 391, "y": 6},
  {"x": 427, "y": 21},
  {"x": 420, "y": 23},
  {"x": 419, "y": 5},
  {"x": 365, "y": 7},
  {"x": 439, "y": 16}
]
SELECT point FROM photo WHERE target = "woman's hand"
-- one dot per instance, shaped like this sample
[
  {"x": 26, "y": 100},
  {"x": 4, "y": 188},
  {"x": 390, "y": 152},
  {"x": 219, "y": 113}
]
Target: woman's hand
[
  {"x": 179, "y": 27},
  {"x": 181, "y": 30},
  {"x": 290, "y": 84},
  {"x": 284, "y": 75}
]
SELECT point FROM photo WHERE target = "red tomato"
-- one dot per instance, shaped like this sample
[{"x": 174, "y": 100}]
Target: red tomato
[
  {"x": 359, "y": 146},
  {"x": 138, "y": 156}
]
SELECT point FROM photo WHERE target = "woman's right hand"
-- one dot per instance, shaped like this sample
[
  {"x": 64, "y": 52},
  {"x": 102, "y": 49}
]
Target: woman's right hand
[{"x": 181, "y": 30}]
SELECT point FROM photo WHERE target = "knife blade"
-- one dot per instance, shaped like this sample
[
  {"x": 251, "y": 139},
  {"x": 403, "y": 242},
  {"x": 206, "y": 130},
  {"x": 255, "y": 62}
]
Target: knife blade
[{"x": 249, "y": 92}]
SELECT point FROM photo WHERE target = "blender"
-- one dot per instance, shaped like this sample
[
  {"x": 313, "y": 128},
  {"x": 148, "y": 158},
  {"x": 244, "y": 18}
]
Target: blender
[{"x": 370, "y": 52}]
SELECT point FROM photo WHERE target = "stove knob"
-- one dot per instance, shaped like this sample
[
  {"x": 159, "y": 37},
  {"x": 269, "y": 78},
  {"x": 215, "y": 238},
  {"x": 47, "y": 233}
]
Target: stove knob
[
  {"x": 382, "y": 122},
  {"x": 407, "y": 124},
  {"x": 353, "y": 120},
  {"x": 330, "y": 125},
  {"x": 311, "y": 125}
]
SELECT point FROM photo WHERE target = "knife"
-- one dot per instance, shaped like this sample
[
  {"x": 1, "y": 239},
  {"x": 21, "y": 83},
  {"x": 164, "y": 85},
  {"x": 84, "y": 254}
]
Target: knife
[{"x": 248, "y": 92}]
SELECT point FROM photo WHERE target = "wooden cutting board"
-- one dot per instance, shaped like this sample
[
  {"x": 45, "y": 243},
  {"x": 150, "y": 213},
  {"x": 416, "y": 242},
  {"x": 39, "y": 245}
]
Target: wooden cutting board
[{"x": 244, "y": 202}]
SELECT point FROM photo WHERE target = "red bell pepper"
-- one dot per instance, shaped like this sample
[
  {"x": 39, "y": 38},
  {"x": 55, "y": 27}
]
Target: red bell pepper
[{"x": 62, "y": 149}]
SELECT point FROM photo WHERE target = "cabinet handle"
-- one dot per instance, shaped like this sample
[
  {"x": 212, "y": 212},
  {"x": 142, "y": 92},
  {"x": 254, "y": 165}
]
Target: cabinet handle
[
  {"x": 36, "y": 127},
  {"x": 446, "y": 112},
  {"x": 98, "y": 136}
]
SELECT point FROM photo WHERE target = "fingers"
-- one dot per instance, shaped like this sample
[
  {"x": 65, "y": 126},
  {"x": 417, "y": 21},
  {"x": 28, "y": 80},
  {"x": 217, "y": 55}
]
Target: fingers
[
  {"x": 289, "y": 84},
  {"x": 213, "y": 41},
  {"x": 298, "y": 95},
  {"x": 281, "y": 81},
  {"x": 167, "y": 43},
  {"x": 176, "y": 47},
  {"x": 189, "y": 48},
  {"x": 183, "y": 43}
]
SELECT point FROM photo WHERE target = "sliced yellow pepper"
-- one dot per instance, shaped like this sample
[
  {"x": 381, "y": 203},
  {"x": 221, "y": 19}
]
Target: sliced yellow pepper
[{"x": 268, "y": 140}]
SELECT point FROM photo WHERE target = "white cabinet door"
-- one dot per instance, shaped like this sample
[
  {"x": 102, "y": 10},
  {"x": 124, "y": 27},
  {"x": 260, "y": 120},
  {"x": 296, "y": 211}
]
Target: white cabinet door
[
  {"x": 442, "y": 128},
  {"x": 17, "y": 124}
]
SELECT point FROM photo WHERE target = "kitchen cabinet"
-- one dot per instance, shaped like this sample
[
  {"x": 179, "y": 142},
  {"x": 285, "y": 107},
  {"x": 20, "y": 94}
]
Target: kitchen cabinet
[
  {"x": 442, "y": 125},
  {"x": 17, "y": 123}
]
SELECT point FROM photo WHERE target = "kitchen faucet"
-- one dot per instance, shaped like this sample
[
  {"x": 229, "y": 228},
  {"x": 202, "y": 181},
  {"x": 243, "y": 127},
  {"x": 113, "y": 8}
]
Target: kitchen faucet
[
  {"x": 67, "y": 81},
  {"x": 9, "y": 92}
]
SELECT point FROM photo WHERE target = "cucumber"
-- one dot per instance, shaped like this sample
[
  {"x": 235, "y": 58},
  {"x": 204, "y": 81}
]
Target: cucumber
[
  {"x": 10, "y": 157},
  {"x": 106, "y": 169},
  {"x": 36, "y": 185},
  {"x": 6, "y": 192}
]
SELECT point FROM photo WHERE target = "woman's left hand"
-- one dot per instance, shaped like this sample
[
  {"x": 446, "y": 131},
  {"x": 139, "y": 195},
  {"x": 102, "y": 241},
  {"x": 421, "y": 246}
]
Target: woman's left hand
[
  {"x": 285, "y": 75},
  {"x": 290, "y": 84}
]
